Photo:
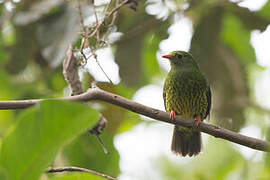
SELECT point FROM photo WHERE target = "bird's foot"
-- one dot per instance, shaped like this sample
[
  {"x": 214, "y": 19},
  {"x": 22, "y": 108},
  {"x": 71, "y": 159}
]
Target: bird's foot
[
  {"x": 172, "y": 115},
  {"x": 198, "y": 120}
]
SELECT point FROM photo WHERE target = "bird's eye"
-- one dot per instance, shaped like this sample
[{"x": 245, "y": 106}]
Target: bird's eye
[{"x": 179, "y": 56}]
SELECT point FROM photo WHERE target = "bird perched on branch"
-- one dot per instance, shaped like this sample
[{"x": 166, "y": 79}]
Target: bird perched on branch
[{"x": 186, "y": 92}]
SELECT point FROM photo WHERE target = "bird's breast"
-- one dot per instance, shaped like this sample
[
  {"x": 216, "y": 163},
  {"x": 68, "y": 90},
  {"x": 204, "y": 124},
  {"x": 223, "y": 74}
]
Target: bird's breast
[{"x": 186, "y": 95}]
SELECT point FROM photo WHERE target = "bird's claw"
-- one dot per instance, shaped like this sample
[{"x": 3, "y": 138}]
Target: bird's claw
[
  {"x": 172, "y": 115},
  {"x": 198, "y": 120}
]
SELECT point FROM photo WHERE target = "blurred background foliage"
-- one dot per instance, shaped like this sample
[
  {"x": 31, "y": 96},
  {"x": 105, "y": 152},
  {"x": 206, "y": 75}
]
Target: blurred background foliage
[{"x": 34, "y": 38}]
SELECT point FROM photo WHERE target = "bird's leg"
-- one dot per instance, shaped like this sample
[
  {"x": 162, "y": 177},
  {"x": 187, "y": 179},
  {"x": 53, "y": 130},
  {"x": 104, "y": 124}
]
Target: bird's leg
[
  {"x": 172, "y": 115},
  {"x": 198, "y": 119}
]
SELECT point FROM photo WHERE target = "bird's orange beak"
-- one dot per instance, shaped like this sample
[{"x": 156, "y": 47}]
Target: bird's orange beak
[{"x": 167, "y": 56}]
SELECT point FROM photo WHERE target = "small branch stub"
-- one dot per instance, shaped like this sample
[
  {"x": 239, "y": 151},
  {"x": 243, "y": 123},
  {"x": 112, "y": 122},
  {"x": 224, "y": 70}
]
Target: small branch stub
[
  {"x": 70, "y": 71},
  {"x": 97, "y": 131}
]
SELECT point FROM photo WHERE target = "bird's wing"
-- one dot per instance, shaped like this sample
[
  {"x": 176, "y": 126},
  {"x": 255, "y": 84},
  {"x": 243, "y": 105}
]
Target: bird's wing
[
  {"x": 208, "y": 96},
  {"x": 164, "y": 99}
]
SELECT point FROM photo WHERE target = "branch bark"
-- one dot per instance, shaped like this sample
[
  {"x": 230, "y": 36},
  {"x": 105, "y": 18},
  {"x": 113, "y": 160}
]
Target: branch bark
[
  {"x": 101, "y": 95},
  {"x": 78, "y": 169},
  {"x": 70, "y": 72}
]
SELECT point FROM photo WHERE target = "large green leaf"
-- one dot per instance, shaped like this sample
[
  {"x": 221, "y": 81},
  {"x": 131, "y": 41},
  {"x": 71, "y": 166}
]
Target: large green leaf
[
  {"x": 78, "y": 176},
  {"x": 6, "y": 92},
  {"x": 85, "y": 151},
  {"x": 39, "y": 134}
]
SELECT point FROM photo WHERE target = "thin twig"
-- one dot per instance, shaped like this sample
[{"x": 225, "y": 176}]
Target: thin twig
[
  {"x": 106, "y": 17},
  {"x": 102, "y": 145},
  {"x": 78, "y": 169},
  {"x": 84, "y": 57},
  {"x": 85, "y": 31},
  {"x": 96, "y": 33},
  {"x": 107, "y": 7},
  {"x": 102, "y": 70},
  {"x": 101, "y": 95},
  {"x": 117, "y": 7}
]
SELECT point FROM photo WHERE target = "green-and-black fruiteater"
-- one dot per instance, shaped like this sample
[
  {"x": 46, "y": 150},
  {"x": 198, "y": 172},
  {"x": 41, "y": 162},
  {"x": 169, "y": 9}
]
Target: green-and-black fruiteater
[{"x": 186, "y": 93}]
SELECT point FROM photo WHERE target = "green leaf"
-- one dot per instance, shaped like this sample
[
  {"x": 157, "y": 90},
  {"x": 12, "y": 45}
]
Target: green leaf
[
  {"x": 78, "y": 176},
  {"x": 39, "y": 134},
  {"x": 265, "y": 10},
  {"x": 3, "y": 174},
  {"x": 6, "y": 92},
  {"x": 85, "y": 151}
]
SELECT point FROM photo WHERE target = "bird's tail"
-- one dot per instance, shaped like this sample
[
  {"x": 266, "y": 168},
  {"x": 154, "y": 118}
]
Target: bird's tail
[{"x": 186, "y": 142}]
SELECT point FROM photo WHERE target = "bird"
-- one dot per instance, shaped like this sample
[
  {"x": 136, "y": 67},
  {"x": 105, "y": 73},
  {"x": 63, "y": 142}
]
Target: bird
[{"x": 186, "y": 92}]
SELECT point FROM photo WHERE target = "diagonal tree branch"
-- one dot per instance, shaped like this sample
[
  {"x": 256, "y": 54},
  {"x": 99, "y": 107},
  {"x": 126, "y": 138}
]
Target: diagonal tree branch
[
  {"x": 101, "y": 95},
  {"x": 78, "y": 169}
]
